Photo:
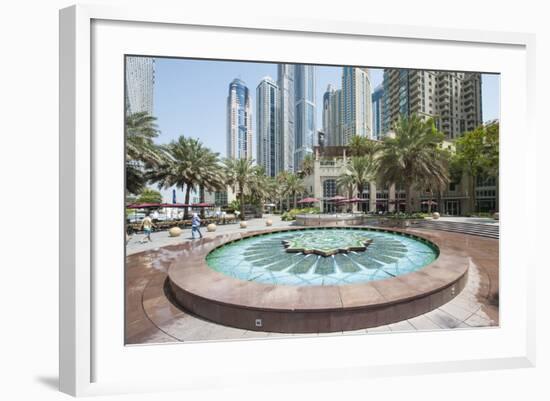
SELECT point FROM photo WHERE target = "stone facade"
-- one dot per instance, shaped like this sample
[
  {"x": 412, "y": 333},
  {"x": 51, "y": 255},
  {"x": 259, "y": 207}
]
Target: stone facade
[{"x": 330, "y": 162}]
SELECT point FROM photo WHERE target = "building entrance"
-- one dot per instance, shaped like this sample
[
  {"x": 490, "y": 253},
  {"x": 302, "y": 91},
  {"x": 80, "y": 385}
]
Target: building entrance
[{"x": 452, "y": 207}]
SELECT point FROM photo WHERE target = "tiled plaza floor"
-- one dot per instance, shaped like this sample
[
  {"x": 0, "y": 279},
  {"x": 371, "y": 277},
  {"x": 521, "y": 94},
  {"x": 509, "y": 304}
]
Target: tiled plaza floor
[{"x": 152, "y": 318}]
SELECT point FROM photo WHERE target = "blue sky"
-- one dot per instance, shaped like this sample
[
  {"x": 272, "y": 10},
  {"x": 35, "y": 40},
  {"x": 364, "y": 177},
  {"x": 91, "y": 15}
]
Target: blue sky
[{"x": 190, "y": 96}]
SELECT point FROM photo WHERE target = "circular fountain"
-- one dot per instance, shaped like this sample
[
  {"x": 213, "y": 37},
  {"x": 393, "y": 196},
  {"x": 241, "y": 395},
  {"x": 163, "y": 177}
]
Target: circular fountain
[{"x": 312, "y": 280}]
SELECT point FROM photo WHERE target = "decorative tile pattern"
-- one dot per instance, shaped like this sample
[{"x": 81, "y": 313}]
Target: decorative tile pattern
[
  {"x": 327, "y": 242},
  {"x": 329, "y": 257}
]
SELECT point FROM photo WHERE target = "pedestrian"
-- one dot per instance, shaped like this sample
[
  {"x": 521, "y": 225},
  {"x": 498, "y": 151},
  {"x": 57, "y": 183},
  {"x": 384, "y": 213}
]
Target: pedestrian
[
  {"x": 147, "y": 225},
  {"x": 195, "y": 225}
]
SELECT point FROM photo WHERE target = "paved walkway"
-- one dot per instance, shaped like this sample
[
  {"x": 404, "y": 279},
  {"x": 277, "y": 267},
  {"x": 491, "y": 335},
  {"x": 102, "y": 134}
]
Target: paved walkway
[
  {"x": 161, "y": 238},
  {"x": 152, "y": 318}
]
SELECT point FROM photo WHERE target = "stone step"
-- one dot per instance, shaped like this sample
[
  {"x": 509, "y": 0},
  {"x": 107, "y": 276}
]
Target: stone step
[{"x": 484, "y": 230}]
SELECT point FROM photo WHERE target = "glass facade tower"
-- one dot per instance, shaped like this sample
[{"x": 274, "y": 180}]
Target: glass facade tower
[
  {"x": 139, "y": 82},
  {"x": 377, "y": 99},
  {"x": 267, "y": 126},
  {"x": 287, "y": 106},
  {"x": 239, "y": 121},
  {"x": 305, "y": 115},
  {"x": 356, "y": 103}
]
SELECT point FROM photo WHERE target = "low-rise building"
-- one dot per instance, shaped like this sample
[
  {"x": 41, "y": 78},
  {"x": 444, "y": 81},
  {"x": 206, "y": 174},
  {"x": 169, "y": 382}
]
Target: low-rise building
[{"x": 330, "y": 162}]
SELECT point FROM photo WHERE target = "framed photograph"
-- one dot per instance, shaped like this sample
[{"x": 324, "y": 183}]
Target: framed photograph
[{"x": 289, "y": 198}]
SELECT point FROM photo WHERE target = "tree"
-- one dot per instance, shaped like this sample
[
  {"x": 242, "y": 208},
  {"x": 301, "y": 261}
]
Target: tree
[
  {"x": 491, "y": 149},
  {"x": 436, "y": 183},
  {"x": 346, "y": 182},
  {"x": 409, "y": 158},
  {"x": 281, "y": 180},
  {"x": 308, "y": 164},
  {"x": 187, "y": 164},
  {"x": 359, "y": 172},
  {"x": 477, "y": 154},
  {"x": 294, "y": 186},
  {"x": 149, "y": 196},
  {"x": 241, "y": 174},
  {"x": 261, "y": 187},
  {"x": 363, "y": 146},
  {"x": 141, "y": 151}
]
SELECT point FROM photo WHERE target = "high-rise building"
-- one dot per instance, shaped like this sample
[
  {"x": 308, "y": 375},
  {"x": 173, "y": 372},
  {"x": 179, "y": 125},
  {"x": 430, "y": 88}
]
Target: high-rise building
[
  {"x": 267, "y": 126},
  {"x": 332, "y": 116},
  {"x": 453, "y": 99},
  {"x": 239, "y": 121},
  {"x": 304, "y": 117},
  {"x": 287, "y": 108},
  {"x": 377, "y": 100},
  {"x": 356, "y": 103},
  {"x": 139, "y": 82}
]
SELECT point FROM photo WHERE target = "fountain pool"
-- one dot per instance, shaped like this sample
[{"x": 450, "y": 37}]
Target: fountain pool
[{"x": 325, "y": 256}]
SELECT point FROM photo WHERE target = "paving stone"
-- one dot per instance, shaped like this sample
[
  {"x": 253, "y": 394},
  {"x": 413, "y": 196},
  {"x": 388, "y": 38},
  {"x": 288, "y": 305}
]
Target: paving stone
[
  {"x": 443, "y": 319},
  {"x": 379, "y": 329},
  {"x": 402, "y": 326},
  {"x": 453, "y": 309},
  {"x": 423, "y": 323}
]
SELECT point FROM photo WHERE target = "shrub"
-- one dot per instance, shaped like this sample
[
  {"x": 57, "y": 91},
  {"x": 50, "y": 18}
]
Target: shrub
[
  {"x": 408, "y": 216},
  {"x": 291, "y": 214}
]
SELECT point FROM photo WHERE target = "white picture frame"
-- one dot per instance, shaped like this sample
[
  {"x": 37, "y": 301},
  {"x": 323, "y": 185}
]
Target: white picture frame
[{"x": 91, "y": 362}]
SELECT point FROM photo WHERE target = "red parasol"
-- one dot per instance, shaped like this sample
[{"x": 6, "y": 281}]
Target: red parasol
[
  {"x": 308, "y": 200},
  {"x": 203, "y": 204},
  {"x": 144, "y": 205},
  {"x": 337, "y": 198}
]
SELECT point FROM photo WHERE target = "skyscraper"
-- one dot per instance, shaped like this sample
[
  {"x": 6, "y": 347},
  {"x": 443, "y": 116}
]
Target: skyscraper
[
  {"x": 305, "y": 126},
  {"x": 239, "y": 121},
  {"x": 332, "y": 116},
  {"x": 267, "y": 126},
  {"x": 287, "y": 106},
  {"x": 453, "y": 99},
  {"x": 356, "y": 103},
  {"x": 377, "y": 99},
  {"x": 139, "y": 82}
]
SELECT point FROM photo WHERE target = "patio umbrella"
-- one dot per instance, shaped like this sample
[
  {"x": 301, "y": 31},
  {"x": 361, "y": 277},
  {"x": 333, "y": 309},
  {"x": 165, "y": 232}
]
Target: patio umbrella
[
  {"x": 144, "y": 205},
  {"x": 429, "y": 202},
  {"x": 308, "y": 200},
  {"x": 357, "y": 200},
  {"x": 203, "y": 204},
  {"x": 337, "y": 198}
]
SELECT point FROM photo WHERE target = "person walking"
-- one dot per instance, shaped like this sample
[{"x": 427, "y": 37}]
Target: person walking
[
  {"x": 195, "y": 225},
  {"x": 147, "y": 225}
]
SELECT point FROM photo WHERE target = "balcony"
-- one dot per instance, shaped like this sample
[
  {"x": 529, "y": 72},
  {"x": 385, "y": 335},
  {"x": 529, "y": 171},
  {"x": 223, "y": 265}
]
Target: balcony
[{"x": 414, "y": 78}]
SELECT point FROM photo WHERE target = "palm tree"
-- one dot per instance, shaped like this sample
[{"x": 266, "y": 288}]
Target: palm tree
[
  {"x": 363, "y": 146},
  {"x": 211, "y": 177},
  {"x": 294, "y": 186},
  {"x": 140, "y": 149},
  {"x": 308, "y": 164},
  {"x": 260, "y": 186},
  {"x": 281, "y": 180},
  {"x": 411, "y": 157},
  {"x": 346, "y": 182},
  {"x": 187, "y": 164},
  {"x": 363, "y": 170},
  {"x": 242, "y": 175}
]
